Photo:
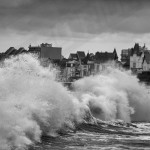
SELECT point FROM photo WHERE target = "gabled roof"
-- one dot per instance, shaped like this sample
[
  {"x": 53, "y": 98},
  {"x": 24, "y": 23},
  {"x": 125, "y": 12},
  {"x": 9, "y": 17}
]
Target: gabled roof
[
  {"x": 138, "y": 50},
  {"x": 81, "y": 54},
  {"x": 103, "y": 57},
  {"x": 10, "y": 51},
  {"x": 20, "y": 50},
  {"x": 73, "y": 56},
  {"x": 13, "y": 52},
  {"x": 115, "y": 54}
]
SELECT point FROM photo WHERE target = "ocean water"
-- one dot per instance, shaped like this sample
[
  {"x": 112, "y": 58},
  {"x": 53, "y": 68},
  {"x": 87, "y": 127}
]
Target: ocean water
[
  {"x": 106, "y": 136},
  {"x": 109, "y": 110}
]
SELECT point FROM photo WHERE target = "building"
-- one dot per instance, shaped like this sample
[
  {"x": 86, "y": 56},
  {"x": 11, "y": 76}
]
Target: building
[
  {"x": 136, "y": 62},
  {"x": 72, "y": 70},
  {"x": 126, "y": 54},
  {"x": 35, "y": 50},
  {"x": 80, "y": 56},
  {"x": 21, "y": 50},
  {"x": 90, "y": 64},
  {"x": 46, "y": 51},
  {"x": 73, "y": 56},
  {"x": 83, "y": 70},
  {"x": 146, "y": 61},
  {"x": 104, "y": 57},
  {"x": 137, "y": 56},
  {"x": 49, "y": 52},
  {"x": 10, "y": 51},
  {"x": 77, "y": 66},
  {"x": 13, "y": 52},
  {"x": 102, "y": 60}
]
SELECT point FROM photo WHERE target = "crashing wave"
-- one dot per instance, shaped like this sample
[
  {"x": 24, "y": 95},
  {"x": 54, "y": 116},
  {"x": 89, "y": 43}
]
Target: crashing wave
[{"x": 33, "y": 104}]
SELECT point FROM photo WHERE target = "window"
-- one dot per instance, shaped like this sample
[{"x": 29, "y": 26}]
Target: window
[{"x": 134, "y": 65}]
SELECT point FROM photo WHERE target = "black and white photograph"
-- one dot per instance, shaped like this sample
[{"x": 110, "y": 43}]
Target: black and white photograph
[{"x": 74, "y": 74}]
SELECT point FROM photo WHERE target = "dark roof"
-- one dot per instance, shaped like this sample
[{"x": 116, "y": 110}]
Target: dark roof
[
  {"x": 138, "y": 50},
  {"x": 20, "y": 50},
  {"x": 10, "y": 50},
  {"x": 81, "y": 54},
  {"x": 34, "y": 49},
  {"x": 115, "y": 54},
  {"x": 136, "y": 47},
  {"x": 73, "y": 56},
  {"x": 103, "y": 57},
  {"x": 13, "y": 52}
]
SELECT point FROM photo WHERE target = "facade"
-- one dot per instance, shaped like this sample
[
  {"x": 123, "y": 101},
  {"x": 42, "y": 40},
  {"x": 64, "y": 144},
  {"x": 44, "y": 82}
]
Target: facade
[
  {"x": 136, "y": 62},
  {"x": 139, "y": 57},
  {"x": 80, "y": 56},
  {"x": 125, "y": 55},
  {"x": 83, "y": 70},
  {"x": 34, "y": 50},
  {"x": 72, "y": 70},
  {"x": 49, "y": 52},
  {"x": 76, "y": 67},
  {"x": 140, "y": 62},
  {"x": 102, "y": 60},
  {"x": 146, "y": 62},
  {"x": 90, "y": 67},
  {"x": 46, "y": 51},
  {"x": 80, "y": 65},
  {"x": 73, "y": 56}
]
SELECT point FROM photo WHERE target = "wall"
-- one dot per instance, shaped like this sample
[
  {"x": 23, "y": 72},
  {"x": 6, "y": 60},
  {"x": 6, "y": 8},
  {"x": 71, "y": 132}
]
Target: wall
[
  {"x": 146, "y": 67},
  {"x": 53, "y": 53},
  {"x": 136, "y": 61}
]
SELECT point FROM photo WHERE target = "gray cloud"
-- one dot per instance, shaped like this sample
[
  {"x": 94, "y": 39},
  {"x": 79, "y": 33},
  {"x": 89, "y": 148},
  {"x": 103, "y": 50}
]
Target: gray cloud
[
  {"x": 13, "y": 3},
  {"x": 72, "y": 17}
]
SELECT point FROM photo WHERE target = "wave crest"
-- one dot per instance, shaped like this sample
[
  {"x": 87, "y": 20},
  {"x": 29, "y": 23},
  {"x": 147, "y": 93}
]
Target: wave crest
[{"x": 33, "y": 103}]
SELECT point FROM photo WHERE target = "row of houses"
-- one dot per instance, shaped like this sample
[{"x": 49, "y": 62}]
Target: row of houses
[
  {"x": 44, "y": 51},
  {"x": 137, "y": 58},
  {"x": 77, "y": 65}
]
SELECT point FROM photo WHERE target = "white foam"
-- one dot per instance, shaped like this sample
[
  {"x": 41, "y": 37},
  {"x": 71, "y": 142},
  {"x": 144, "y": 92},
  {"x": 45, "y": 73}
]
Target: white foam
[{"x": 33, "y": 103}]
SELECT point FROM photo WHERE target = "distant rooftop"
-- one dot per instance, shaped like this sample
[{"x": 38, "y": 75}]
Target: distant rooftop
[
  {"x": 104, "y": 56},
  {"x": 81, "y": 54},
  {"x": 73, "y": 56}
]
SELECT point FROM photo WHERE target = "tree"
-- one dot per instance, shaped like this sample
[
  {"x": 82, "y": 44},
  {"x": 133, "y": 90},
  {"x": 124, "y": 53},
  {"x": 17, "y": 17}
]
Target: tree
[{"x": 115, "y": 54}]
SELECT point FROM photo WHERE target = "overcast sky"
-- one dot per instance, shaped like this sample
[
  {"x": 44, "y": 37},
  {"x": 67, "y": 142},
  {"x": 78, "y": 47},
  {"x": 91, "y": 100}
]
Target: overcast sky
[{"x": 89, "y": 25}]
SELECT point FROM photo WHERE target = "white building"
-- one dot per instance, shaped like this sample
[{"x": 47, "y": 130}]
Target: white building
[
  {"x": 140, "y": 61},
  {"x": 136, "y": 61}
]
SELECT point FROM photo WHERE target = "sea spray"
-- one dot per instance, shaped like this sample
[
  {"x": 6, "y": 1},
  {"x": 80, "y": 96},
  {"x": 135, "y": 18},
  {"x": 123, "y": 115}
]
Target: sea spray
[
  {"x": 32, "y": 103},
  {"x": 114, "y": 94}
]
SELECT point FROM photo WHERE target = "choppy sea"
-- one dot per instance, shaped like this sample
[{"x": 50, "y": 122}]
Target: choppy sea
[
  {"x": 106, "y": 136},
  {"x": 109, "y": 110}
]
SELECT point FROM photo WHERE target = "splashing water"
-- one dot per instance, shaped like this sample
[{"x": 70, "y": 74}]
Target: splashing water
[
  {"x": 114, "y": 94},
  {"x": 33, "y": 103}
]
